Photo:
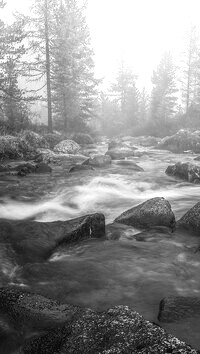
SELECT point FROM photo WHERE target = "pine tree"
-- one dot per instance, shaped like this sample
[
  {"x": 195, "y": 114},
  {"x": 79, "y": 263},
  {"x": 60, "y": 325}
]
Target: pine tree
[
  {"x": 189, "y": 68},
  {"x": 164, "y": 93},
  {"x": 74, "y": 85},
  {"x": 128, "y": 96},
  {"x": 14, "y": 107}
]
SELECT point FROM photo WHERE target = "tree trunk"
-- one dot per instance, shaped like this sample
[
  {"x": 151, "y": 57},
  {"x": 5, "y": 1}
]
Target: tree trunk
[{"x": 48, "y": 68}]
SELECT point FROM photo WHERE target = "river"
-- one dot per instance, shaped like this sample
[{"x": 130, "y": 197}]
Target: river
[{"x": 103, "y": 273}]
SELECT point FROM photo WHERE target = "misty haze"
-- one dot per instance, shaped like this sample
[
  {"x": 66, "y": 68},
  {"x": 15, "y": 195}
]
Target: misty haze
[{"x": 99, "y": 176}]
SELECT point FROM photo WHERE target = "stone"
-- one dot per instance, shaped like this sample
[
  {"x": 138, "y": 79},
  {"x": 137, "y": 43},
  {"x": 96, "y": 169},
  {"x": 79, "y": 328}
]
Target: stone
[
  {"x": 33, "y": 311},
  {"x": 53, "y": 139},
  {"x": 185, "y": 171},
  {"x": 67, "y": 147},
  {"x": 34, "y": 241},
  {"x": 98, "y": 161},
  {"x": 119, "y": 330},
  {"x": 190, "y": 221},
  {"x": 182, "y": 141},
  {"x": 176, "y": 308},
  {"x": 82, "y": 138},
  {"x": 153, "y": 212}
]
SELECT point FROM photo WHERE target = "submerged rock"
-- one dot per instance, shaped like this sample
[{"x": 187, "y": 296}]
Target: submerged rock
[
  {"x": 130, "y": 164},
  {"x": 80, "y": 167},
  {"x": 183, "y": 140},
  {"x": 184, "y": 171},
  {"x": 36, "y": 241},
  {"x": 153, "y": 212},
  {"x": 190, "y": 221},
  {"x": 98, "y": 161},
  {"x": 176, "y": 308},
  {"x": 67, "y": 147}
]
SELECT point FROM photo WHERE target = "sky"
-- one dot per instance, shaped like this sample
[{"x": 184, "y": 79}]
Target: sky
[{"x": 135, "y": 31}]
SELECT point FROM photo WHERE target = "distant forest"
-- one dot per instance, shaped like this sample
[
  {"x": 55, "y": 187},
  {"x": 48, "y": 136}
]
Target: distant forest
[{"x": 52, "y": 49}]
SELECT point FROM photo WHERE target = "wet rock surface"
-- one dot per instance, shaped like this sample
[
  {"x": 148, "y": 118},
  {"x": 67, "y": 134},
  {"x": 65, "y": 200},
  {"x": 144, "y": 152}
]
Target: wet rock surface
[
  {"x": 76, "y": 330},
  {"x": 34, "y": 241},
  {"x": 190, "y": 221},
  {"x": 183, "y": 140},
  {"x": 153, "y": 212},
  {"x": 177, "y": 308},
  {"x": 185, "y": 171}
]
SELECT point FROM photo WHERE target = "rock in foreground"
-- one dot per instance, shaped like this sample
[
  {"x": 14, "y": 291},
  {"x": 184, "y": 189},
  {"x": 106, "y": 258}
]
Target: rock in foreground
[
  {"x": 119, "y": 330},
  {"x": 153, "y": 212},
  {"x": 190, "y": 221},
  {"x": 35, "y": 241},
  {"x": 72, "y": 330},
  {"x": 175, "y": 308},
  {"x": 185, "y": 171}
]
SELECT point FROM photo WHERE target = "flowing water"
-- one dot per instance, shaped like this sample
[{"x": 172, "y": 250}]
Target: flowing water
[{"x": 103, "y": 273}]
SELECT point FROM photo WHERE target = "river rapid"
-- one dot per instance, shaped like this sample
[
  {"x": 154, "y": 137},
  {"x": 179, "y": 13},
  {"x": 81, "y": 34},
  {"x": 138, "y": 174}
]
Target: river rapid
[{"x": 103, "y": 273}]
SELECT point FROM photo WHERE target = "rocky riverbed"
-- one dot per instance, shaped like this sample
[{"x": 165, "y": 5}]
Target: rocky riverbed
[{"x": 89, "y": 264}]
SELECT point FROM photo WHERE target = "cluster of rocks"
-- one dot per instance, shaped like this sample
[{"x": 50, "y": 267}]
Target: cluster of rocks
[
  {"x": 44, "y": 326},
  {"x": 54, "y": 328}
]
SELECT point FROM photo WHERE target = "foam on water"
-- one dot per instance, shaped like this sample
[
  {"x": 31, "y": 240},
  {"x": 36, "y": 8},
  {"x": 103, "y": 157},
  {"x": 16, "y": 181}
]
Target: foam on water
[{"x": 101, "y": 193}]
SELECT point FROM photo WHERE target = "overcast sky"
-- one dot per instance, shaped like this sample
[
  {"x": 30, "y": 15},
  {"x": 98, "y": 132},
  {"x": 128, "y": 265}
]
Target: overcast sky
[{"x": 136, "y": 30}]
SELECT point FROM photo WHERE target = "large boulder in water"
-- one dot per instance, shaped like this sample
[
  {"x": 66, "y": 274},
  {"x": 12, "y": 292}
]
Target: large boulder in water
[
  {"x": 183, "y": 140},
  {"x": 67, "y": 147},
  {"x": 53, "y": 139},
  {"x": 82, "y": 138},
  {"x": 35, "y": 241},
  {"x": 153, "y": 212},
  {"x": 176, "y": 308},
  {"x": 190, "y": 221},
  {"x": 185, "y": 171}
]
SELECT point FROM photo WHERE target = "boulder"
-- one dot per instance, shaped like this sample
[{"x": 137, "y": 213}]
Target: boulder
[
  {"x": 25, "y": 168},
  {"x": 190, "y": 221},
  {"x": 48, "y": 156},
  {"x": 176, "y": 308},
  {"x": 29, "y": 311},
  {"x": 67, "y": 147},
  {"x": 34, "y": 140},
  {"x": 153, "y": 212},
  {"x": 120, "y": 153},
  {"x": 82, "y": 138},
  {"x": 53, "y": 139},
  {"x": 80, "y": 167},
  {"x": 182, "y": 141},
  {"x": 35, "y": 241},
  {"x": 185, "y": 171},
  {"x": 129, "y": 164},
  {"x": 98, "y": 161},
  {"x": 116, "y": 330}
]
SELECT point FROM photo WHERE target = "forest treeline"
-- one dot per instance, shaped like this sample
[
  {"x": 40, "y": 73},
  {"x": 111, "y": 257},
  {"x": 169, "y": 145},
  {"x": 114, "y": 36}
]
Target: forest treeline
[{"x": 51, "y": 48}]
